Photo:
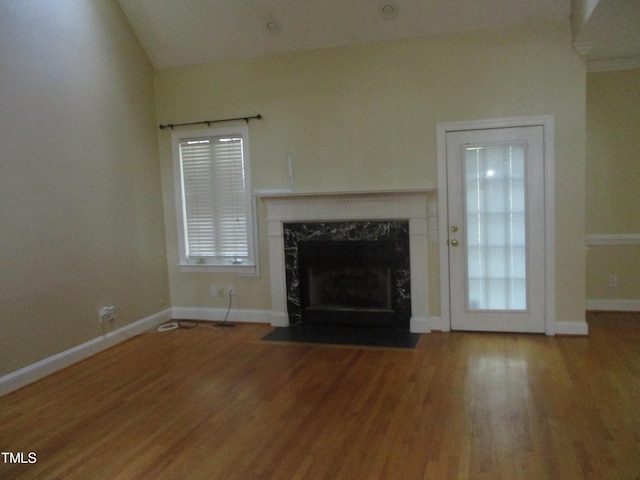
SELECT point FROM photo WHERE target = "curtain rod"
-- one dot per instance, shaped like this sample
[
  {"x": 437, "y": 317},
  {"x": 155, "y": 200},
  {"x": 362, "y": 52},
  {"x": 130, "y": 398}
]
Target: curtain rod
[{"x": 209, "y": 122}]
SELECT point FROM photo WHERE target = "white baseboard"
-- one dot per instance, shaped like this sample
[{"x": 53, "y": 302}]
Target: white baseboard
[
  {"x": 267, "y": 316},
  {"x": 419, "y": 325},
  {"x": 41, "y": 369},
  {"x": 278, "y": 319},
  {"x": 438, "y": 324},
  {"x": 614, "y": 305},
  {"x": 571, "y": 328},
  {"x": 218, "y": 314}
]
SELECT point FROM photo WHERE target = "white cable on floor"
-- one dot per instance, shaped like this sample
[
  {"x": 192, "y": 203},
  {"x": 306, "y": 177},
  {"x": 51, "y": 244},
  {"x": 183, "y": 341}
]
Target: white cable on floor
[{"x": 167, "y": 327}]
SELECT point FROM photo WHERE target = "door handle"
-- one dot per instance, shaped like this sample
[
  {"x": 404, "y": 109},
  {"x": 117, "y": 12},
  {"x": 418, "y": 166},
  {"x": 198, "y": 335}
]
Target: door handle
[{"x": 453, "y": 243}]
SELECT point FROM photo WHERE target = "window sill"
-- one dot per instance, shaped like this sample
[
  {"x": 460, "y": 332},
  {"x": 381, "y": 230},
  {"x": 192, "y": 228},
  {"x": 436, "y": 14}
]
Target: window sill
[{"x": 239, "y": 269}]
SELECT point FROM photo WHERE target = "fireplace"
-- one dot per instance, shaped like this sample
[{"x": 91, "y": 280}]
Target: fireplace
[
  {"x": 343, "y": 279},
  {"x": 354, "y": 274},
  {"x": 293, "y": 218}
]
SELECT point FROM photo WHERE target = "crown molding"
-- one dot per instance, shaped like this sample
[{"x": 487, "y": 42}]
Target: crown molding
[
  {"x": 583, "y": 48},
  {"x": 613, "y": 65}
]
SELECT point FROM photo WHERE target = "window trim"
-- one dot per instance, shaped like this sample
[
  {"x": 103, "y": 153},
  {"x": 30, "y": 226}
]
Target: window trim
[{"x": 251, "y": 266}]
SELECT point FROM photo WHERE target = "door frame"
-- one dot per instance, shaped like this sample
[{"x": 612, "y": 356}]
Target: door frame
[{"x": 547, "y": 124}]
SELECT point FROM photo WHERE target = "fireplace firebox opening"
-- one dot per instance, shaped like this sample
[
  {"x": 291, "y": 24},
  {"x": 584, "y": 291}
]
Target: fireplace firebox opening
[
  {"x": 350, "y": 282},
  {"x": 349, "y": 287}
]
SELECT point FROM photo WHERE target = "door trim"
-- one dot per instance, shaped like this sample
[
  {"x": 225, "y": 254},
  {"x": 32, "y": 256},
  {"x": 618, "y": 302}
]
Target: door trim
[{"x": 547, "y": 124}]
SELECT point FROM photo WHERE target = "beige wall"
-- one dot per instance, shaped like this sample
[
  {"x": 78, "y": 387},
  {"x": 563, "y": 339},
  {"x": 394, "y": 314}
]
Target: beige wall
[
  {"x": 365, "y": 118},
  {"x": 613, "y": 182},
  {"x": 81, "y": 189},
  {"x": 81, "y": 221}
]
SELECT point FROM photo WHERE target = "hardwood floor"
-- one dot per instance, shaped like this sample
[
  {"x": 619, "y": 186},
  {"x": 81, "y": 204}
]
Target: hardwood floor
[{"x": 221, "y": 404}]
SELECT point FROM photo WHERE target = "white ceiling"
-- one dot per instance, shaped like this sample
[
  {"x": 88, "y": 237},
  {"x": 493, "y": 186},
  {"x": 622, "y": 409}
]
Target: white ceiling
[{"x": 188, "y": 32}]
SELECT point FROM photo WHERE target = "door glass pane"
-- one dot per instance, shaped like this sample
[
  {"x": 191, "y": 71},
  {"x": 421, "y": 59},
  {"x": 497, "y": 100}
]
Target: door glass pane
[{"x": 496, "y": 265}]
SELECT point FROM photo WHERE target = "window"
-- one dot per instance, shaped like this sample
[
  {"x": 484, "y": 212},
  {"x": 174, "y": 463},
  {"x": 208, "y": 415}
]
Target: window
[{"x": 213, "y": 200}]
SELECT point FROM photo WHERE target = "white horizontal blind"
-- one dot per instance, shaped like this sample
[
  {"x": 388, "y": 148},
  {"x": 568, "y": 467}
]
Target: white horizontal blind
[{"x": 215, "y": 209}]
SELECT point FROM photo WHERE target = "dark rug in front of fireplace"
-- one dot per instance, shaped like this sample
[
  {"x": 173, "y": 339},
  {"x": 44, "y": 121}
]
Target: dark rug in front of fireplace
[{"x": 335, "y": 335}]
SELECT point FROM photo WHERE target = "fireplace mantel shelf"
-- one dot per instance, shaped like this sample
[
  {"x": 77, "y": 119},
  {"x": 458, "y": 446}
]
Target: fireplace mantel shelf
[{"x": 275, "y": 194}]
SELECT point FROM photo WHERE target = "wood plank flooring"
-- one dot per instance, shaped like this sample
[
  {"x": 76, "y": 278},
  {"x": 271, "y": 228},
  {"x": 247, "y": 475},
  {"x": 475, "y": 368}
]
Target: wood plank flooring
[{"x": 221, "y": 404}]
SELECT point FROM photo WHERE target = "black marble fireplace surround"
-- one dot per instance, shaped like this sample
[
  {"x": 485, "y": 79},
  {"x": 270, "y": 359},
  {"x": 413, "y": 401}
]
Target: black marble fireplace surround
[{"x": 354, "y": 274}]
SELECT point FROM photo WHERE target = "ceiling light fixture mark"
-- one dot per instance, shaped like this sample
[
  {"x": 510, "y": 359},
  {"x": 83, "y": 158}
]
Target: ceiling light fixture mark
[
  {"x": 273, "y": 28},
  {"x": 388, "y": 10}
]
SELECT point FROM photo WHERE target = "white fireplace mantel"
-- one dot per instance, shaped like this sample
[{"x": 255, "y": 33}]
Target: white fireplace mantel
[{"x": 410, "y": 205}]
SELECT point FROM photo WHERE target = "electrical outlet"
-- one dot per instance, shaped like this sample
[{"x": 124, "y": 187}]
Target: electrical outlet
[
  {"x": 107, "y": 314},
  {"x": 213, "y": 291},
  {"x": 613, "y": 281},
  {"x": 230, "y": 290}
]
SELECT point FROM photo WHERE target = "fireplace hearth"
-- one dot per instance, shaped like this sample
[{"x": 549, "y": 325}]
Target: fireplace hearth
[{"x": 354, "y": 274}]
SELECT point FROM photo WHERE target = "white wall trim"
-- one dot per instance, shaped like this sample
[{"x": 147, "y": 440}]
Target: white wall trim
[
  {"x": 218, "y": 314},
  {"x": 420, "y": 325},
  {"x": 613, "y": 304},
  {"x": 548, "y": 124},
  {"x": 438, "y": 324},
  {"x": 564, "y": 327},
  {"x": 612, "y": 239},
  {"x": 613, "y": 65},
  {"x": 41, "y": 369}
]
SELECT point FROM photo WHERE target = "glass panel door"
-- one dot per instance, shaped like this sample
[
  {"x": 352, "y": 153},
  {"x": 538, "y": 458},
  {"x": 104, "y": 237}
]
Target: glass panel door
[
  {"x": 496, "y": 261},
  {"x": 496, "y": 223}
]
